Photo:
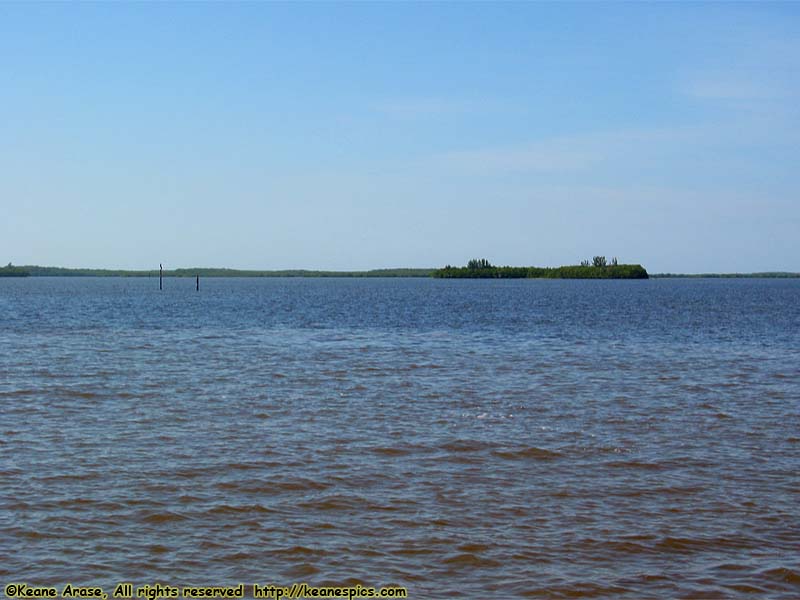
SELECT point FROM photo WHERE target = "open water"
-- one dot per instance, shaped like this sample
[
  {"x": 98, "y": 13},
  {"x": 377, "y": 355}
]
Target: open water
[{"x": 472, "y": 439}]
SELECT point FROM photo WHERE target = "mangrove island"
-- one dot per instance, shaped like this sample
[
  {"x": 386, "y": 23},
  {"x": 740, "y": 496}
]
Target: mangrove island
[
  {"x": 11, "y": 271},
  {"x": 598, "y": 268}
]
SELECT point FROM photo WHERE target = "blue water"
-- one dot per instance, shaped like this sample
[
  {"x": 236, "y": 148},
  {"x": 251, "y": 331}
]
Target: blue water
[{"x": 460, "y": 438}]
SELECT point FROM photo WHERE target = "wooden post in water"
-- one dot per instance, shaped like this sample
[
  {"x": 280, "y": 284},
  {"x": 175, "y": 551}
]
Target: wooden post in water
[
  {"x": 198, "y": 283},
  {"x": 160, "y": 275}
]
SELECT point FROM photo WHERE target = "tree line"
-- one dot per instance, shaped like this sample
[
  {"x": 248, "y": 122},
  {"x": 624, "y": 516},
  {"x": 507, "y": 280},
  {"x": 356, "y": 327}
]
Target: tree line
[
  {"x": 38, "y": 271},
  {"x": 11, "y": 271},
  {"x": 480, "y": 268}
]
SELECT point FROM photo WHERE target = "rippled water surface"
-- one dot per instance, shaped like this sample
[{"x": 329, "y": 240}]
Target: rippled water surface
[{"x": 476, "y": 439}]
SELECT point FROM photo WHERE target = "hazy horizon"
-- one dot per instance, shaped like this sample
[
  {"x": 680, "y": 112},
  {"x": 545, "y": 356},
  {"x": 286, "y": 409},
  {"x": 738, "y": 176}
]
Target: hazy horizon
[
  {"x": 312, "y": 269},
  {"x": 367, "y": 136}
]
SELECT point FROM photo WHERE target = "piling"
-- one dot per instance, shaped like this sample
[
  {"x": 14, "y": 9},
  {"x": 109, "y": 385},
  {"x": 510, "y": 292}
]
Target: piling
[
  {"x": 160, "y": 275},
  {"x": 198, "y": 283}
]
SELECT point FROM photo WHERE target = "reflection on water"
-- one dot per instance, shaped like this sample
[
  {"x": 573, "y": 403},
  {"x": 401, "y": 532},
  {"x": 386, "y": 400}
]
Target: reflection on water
[{"x": 460, "y": 438}]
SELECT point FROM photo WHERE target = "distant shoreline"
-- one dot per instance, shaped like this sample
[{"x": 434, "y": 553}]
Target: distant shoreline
[
  {"x": 38, "y": 271},
  {"x": 205, "y": 272},
  {"x": 765, "y": 275}
]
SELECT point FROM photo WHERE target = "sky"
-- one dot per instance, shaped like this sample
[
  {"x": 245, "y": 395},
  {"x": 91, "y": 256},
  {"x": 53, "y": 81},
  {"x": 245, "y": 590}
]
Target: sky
[{"x": 376, "y": 135}]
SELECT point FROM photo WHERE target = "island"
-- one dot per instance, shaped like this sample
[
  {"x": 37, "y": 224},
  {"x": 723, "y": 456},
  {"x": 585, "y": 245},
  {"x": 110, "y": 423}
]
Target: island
[
  {"x": 11, "y": 271},
  {"x": 598, "y": 268}
]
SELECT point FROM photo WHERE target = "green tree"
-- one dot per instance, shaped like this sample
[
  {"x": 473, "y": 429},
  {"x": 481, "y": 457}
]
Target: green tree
[{"x": 479, "y": 263}]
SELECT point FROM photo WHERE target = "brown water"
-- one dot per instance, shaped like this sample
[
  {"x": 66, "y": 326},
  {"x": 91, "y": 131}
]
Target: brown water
[{"x": 475, "y": 439}]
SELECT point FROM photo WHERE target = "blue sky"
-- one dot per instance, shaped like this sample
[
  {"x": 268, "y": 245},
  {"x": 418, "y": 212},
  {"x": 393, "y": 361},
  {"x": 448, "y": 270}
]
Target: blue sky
[{"x": 369, "y": 135}]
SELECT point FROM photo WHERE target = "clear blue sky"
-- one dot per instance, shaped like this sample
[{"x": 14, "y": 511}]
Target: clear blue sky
[{"x": 350, "y": 136}]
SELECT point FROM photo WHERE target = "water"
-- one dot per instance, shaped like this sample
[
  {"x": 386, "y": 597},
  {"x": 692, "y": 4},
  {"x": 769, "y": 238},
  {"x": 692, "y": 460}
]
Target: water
[{"x": 475, "y": 439}]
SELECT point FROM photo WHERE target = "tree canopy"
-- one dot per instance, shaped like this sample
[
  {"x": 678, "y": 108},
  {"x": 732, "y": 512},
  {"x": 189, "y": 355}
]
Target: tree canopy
[{"x": 480, "y": 268}]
